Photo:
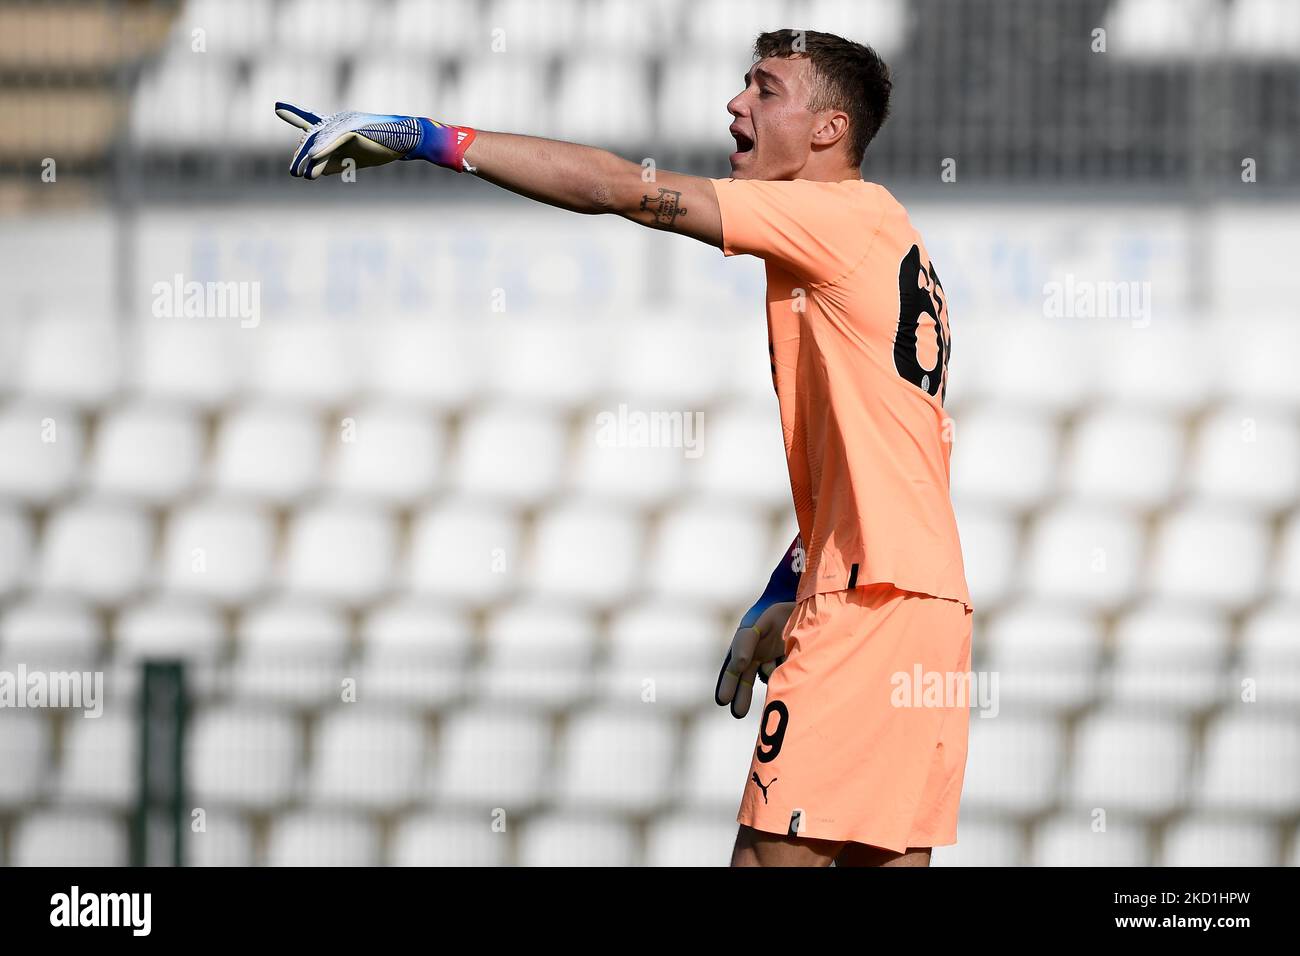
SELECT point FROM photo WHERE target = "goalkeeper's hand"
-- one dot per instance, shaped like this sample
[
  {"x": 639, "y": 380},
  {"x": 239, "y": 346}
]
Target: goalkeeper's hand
[
  {"x": 756, "y": 650},
  {"x": 329, "y": 143}
]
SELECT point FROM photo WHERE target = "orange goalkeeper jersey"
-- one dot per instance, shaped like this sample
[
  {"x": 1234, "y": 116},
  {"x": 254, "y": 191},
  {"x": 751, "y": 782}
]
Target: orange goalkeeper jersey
[{"x": 858, "y": 333}]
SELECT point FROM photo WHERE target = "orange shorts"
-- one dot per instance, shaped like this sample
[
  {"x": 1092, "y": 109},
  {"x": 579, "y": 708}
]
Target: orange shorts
[{"x": 863, "y": 733}]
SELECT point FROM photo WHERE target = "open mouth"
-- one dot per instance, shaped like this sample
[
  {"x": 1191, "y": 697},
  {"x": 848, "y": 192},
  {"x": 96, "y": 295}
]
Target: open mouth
[{"x": 744, "y": 142}]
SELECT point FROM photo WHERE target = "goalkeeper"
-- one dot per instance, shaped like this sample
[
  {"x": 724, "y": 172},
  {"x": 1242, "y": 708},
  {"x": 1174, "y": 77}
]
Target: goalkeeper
[{"x": 843, "y": 770}]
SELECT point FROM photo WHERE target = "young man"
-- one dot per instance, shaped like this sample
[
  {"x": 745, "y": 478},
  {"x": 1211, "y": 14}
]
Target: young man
[{"x": 846, "y": 769}]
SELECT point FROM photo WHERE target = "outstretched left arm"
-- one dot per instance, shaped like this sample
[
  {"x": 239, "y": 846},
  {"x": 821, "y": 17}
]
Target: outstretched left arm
[{"x": 582, "y": 179}]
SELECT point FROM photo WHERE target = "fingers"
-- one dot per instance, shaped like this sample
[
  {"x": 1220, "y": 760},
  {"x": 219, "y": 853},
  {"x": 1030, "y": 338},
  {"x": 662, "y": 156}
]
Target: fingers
[
  {"x": 297, "y": 115},
  {"x": 736, "y": 679},
  {"x": 301, "y": 154}
]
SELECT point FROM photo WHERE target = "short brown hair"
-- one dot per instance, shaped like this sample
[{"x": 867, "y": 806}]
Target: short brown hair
[{"x": 848, "y": 76}]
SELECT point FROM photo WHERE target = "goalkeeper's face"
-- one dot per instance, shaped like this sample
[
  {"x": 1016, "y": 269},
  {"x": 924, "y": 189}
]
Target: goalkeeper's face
[{"x": 773, "y": 127}]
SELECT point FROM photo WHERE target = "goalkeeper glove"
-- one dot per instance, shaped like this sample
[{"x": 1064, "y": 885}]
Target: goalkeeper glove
[
  {"x": 758, "y": 646},
  {"x": 371, "y": 139}
]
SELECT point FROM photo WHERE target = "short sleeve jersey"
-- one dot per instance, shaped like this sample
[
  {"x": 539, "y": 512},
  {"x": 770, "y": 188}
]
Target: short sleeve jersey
[{"x": 859, "y": 340}]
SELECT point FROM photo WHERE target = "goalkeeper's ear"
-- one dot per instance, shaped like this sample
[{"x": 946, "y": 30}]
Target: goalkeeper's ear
[{"x": 296, "y": 115}]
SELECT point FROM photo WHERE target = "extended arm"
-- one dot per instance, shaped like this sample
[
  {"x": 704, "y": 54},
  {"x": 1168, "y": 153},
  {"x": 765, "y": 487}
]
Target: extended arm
[
  {"x": 585, "y": 179},
  {"x": 582, "y": 179}
]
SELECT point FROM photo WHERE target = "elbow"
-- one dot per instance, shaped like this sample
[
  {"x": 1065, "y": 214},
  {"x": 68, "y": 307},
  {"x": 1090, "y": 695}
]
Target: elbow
[{"x": 602, "y": 198}]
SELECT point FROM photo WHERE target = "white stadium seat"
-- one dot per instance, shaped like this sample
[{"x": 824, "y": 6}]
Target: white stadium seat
[
  {"x": 181, "y": 360},
  {"x": 732, "y": 24},
  {"x": 322, "y": 838},
  {"x": 1003, "y": 457},
  {"x": 990, "y": 545},
  {"x": 435, "y": 363},
  {"x": 591, "y": 102},
  {"x": 25, "y": 747},
  {"x": 374, "y": 761},
  {"x": 1270, "y": 654},
  {"x": 268, "y": 452},
  {"x": 607, "y": 25},
  {"x": 617, "y": 759},
  {"x": 563, "y": 839},
  {"x": 291, "y": 650},
  {"x": 1126, "y": 762},
  {"x": 240, "y": 756},
  {"x": 1247, "y": 459},
  {"x": 1264, "y": 28},
  {"x": 1045, "y": 655},
  {"x": 149, "y": 453},
  {"x": 171, "y": 628},
  {"x": 162, "y": 110},
  {"x": 44, "y": 630},
  {"x": 531, "y": 29},
  {"x": 392, "y": 455},
  {"x": 538, "y": 653},
  {"x": 415, "y": 652},
  {"x": 1166, "y": 367},
  {"x": 663, "y": 652},
  {"x": 307, "y": 360},
  {"x": 1209, "y": 555},
  {"x": 324, "y": 28},
  {"x": 667, "y": 364},
  {"x": 440, "y": 839},
  {"x": 1207, "y": 841},
  {"x": 585, "y": 551},
  {"x": 500, "y": 92},
  {"x": 709, "y": 551},
  {"x": 718, "y": 752},
  {"x": 40, "y": 450},
  {"x": 416, "y": 26},
  {"x": 1162, "y": 29},
  {"x": 98, "y": 550},
  {"x": 218, "y": 549},
  {"x": 304, "y": 79},
  {"x": 515, "y": 454},
  {"x": 880, "y": 23},
  {"x": 693, "y": 96},
  {"x": 464, "y": 550},
  {"x": 61, "y": 838},
  {"x": 225, "y": 840},
  {"x": 404, "y": 87},
  {"x": 546, "y": 359},
  {"x": 1251, "y": 763},
  {"x": 489, "y": 758},
  {"x": 687, "y": 839},
  {"x": 1069, "y": 839},
  {"x": 626, "y": 474},
  {"x": 983, "y": 842},
  {"x": 1254, "y": 368},
  {"x": 16, "y": 547},
  {"x": 71, "y": 359},
  {"x": 230, "y": 27},
  {"x": 340, "y": 551},
  {"x": 1171, "y": 656},
  {"x": 742, "y": 457},
  {"x": 1086, "y": 555},
  {"x": 1287, "y": 563},
  {"x": 98, "y": 764},
  {"x": 1125, "y": 457},
  {"x": 1013, "y": 764}
]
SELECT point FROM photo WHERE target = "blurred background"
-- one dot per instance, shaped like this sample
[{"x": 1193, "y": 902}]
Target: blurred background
[{"x": 342, "y": 490}]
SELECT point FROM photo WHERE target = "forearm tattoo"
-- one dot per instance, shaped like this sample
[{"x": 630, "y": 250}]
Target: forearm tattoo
[{"x": 666, "y": 206}]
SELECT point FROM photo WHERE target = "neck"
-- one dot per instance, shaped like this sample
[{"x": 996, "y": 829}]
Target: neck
[{"x": 823, "y": 172}]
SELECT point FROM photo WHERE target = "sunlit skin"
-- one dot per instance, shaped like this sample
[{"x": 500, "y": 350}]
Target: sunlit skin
[{"x": 777, "y": 136}]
